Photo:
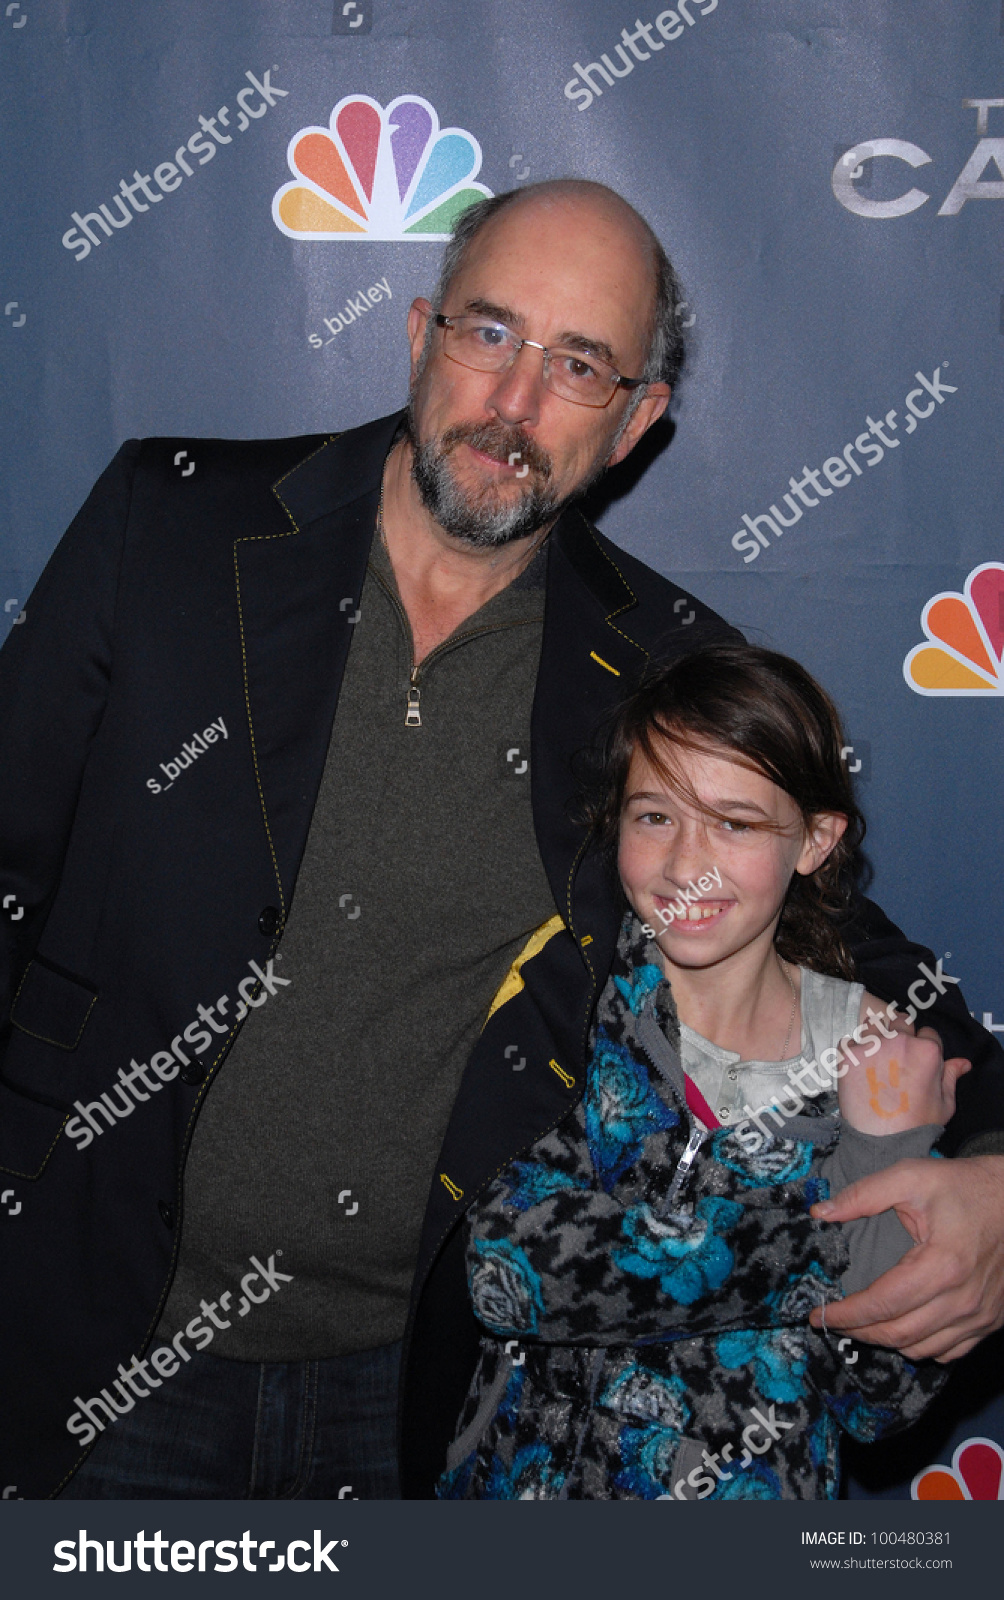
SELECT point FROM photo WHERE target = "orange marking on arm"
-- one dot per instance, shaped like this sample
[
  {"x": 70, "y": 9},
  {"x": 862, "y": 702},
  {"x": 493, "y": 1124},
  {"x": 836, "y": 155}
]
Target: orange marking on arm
[{"x": 875, "y": 1086}]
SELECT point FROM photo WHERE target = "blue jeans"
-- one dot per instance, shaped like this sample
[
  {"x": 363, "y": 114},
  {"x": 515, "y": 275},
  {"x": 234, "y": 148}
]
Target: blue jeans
[{"x": 249, "y": 1430}]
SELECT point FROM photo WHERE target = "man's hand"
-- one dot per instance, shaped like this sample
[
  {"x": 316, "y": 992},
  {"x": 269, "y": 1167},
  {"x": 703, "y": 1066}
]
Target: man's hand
[{"x": 947, "y": 1293}]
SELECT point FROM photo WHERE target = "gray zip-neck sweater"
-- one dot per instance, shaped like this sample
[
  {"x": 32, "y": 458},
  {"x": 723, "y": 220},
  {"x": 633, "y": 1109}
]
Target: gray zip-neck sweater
[{"x": 420, "y": 882}]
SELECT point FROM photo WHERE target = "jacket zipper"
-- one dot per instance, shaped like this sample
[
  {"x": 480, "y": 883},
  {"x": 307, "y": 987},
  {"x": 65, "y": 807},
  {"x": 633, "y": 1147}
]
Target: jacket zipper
[
  {"x": 684, "y": 1165},
  {"x": 413, "y": 703}
]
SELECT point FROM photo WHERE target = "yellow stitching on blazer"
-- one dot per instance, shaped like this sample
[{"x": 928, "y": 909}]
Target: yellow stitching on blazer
[
  {"x": 44, "y": 1037},
  {"x": 507, "y": 1162},
  {"x": 457, "y": 1193},
  {"x": 568, "y": 902},
  {"x": 614, "y": 670},
  {"x": 255, "y": 538},
  {"x": 634, "y": 598},
  {"x": 247, "y": 705},
  {"x": 566, "y": 1077},
  {"x": 568, "y": 920},
  {"x": 275, "y": 487},
  {"x": 32, "y": 1176}
]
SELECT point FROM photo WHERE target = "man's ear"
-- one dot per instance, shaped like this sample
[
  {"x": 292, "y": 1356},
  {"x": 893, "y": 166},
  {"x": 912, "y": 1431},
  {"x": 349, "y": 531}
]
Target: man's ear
[
  {"x": 650, "y": 410},
  {"x": 824, "y": 833},
  {"x": 419, "y": 313}
]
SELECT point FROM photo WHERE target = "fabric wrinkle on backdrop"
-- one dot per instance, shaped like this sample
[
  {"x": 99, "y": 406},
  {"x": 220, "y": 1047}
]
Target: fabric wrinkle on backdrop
[{"x": 215, "y": 222}]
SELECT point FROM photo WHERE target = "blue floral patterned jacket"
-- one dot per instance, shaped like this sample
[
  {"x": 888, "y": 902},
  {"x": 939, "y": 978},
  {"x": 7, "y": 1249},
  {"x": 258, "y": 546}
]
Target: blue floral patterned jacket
[{"x": 645, "y": 1294}]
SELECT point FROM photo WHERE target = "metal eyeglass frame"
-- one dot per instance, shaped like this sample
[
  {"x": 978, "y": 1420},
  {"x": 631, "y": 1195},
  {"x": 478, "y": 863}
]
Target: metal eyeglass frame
[{"x": 618, "y": 381}]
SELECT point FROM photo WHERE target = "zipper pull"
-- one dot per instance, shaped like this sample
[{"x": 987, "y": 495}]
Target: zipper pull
[
  {"x": 684, "y": 1165},
  {"x": 413, "y": 716},
  {"x": 687, "y": 1158}
]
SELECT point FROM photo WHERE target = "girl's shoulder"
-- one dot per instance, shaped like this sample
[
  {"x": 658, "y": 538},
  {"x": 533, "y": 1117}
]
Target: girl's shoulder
[{"x": 831, "y": 1008}]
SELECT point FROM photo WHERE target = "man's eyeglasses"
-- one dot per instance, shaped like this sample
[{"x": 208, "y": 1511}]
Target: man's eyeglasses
[{"x": 486, "y": 346}]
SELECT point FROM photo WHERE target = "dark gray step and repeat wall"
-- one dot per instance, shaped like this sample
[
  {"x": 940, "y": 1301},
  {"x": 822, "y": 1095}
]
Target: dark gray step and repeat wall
[{"x": 215, "y": 217}]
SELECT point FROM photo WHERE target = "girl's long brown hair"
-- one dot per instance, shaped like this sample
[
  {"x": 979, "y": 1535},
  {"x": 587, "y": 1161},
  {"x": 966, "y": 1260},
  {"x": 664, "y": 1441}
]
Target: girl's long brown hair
[{"x": 774, "y": 717}]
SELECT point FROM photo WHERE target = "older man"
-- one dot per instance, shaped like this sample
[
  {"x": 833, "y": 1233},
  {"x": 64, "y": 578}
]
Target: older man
[{"x": 403, "y": 635}]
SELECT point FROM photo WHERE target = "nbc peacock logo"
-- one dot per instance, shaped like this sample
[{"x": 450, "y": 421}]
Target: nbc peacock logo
[
  {"x": 976, "y": 1473},
  {"x": 379, "y": 172},
  {"x": 964, "y": 651}
]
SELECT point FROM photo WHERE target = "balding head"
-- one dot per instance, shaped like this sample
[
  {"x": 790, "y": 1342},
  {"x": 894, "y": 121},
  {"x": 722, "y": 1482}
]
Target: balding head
[{"x": 591, "y": 205}]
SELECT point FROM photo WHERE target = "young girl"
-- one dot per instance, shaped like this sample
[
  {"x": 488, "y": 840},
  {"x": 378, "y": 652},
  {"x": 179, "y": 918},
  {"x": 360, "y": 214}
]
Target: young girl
[{"x": 644, "y": 1275}]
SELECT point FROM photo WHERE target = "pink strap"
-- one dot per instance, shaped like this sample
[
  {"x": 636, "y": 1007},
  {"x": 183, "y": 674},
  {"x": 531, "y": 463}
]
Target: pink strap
[{"x": 699, "y": 1106}]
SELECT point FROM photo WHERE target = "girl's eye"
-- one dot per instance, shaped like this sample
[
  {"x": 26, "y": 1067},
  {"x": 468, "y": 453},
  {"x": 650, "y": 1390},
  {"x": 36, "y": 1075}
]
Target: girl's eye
[
  {"x": 738, "y": 827},
  {"x": 657, "y": 818}
]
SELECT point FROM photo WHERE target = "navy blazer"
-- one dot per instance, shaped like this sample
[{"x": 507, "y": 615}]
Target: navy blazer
[{"x": 179, "y": 599}]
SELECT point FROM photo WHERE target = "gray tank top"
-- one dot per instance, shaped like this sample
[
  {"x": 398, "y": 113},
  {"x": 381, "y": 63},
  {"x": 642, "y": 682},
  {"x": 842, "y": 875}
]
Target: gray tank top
[{"x": 830, "y": 1009}]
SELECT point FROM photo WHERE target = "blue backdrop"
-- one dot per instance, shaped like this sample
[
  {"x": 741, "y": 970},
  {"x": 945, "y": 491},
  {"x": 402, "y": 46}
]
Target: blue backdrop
[{"x": 192, "y": 246}]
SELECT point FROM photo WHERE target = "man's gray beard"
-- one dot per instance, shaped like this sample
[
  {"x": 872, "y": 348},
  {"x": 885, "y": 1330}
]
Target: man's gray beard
[{"x": 487, "y": 521}]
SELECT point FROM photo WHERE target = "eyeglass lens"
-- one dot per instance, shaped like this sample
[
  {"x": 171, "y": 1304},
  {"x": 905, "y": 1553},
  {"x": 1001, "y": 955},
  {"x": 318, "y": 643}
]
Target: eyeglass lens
[{"x": 486, "y": 346}]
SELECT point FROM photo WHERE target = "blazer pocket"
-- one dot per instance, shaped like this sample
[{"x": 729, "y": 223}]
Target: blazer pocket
[
  {"x": 28, "y": 1133},
  {"x": 51, "y": 1005}
]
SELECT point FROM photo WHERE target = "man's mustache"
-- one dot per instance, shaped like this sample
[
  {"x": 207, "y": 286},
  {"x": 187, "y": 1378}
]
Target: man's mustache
[{"x": 500, "y": 442}]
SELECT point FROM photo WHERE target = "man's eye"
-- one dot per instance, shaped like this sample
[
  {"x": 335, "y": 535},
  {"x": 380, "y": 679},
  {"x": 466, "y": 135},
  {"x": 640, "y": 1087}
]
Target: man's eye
[
  {"x": 579, "y": 370},
  {"x": 491, "y": 335}
]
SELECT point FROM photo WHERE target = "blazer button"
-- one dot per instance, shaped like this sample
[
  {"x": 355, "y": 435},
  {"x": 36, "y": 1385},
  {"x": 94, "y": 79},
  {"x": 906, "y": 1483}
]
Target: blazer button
[
  {"x": 193, "y": 1073},
  {"x": 268, "y": 922},
  {"x": 166, "y": 1213}
]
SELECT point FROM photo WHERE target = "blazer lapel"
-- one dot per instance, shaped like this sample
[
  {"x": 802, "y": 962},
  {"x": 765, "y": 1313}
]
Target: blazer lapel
[
  {"x": 589, "y": 663},
  {"x": 298, "y": 599}
]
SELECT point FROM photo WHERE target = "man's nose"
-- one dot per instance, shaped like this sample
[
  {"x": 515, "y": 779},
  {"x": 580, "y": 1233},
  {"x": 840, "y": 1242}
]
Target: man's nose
[{"x": 516, "y": 396}]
